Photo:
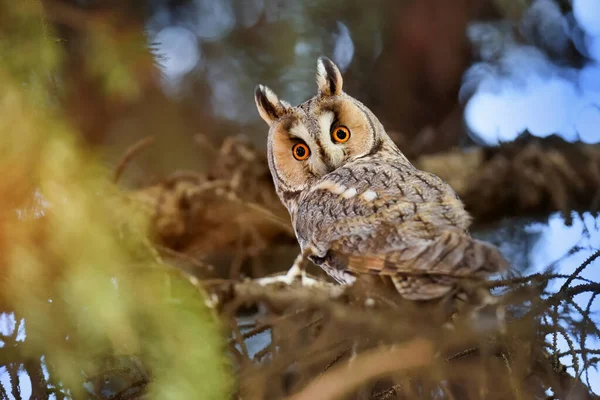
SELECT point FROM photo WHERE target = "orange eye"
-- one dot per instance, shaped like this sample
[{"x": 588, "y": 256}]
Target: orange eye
[
  {"x": 300, "y": 151},
  {"x": 341, "y": 134}
]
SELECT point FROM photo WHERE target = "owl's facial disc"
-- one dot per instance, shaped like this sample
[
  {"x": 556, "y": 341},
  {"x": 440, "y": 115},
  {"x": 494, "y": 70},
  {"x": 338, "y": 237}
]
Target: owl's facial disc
[
  {"x": 344, "y": 130},
  {"x": 315, "y": 138},
  {"x": 294, "y": 155},
  {"x": 312, "y": 141}
]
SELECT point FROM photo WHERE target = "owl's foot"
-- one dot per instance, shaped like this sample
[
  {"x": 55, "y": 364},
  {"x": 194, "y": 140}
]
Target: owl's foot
[{"x": 296, "y": 273}]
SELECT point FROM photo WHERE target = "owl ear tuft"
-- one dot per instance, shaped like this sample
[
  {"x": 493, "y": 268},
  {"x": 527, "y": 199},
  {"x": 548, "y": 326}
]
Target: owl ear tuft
[
  {"x": 268, "y": 104},
  {"x": 329, "y": 78}
]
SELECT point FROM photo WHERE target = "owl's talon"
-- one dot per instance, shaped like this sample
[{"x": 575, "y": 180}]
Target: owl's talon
[
  {"x": 296, "y": 273},
  {"x": 297, "y": 270},
  {"x": 307, "y": 281},
  {"x": 288, "y": 279}
]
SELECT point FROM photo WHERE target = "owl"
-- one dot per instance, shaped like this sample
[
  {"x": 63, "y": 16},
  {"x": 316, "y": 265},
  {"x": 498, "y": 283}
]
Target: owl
[{"x": 357, "y": 205}]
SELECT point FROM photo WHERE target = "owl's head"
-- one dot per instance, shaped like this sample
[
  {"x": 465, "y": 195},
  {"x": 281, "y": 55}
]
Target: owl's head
[{"x": 318, "y": 136}]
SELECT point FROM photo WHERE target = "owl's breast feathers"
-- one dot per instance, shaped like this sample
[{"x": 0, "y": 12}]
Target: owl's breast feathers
[{"x": 371, "y": 216}]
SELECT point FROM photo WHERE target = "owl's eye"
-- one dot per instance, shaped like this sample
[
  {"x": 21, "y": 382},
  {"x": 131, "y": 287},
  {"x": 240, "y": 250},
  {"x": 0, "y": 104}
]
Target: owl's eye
[
  {"x": 341, "y": 134},
  {"x": 300, "y": 151}
]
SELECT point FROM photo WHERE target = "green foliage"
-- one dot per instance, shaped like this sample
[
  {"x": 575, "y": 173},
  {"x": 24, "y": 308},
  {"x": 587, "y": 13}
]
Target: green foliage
[{"x": 76, "y": 266}]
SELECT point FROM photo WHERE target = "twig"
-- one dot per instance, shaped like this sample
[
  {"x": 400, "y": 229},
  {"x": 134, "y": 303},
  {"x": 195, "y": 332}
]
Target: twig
[
  {"x": 580, "y": 269},
  {"x": 388, "y": 393},
  {"x": 182, "y": 256},
  {"x": 253, "y": 332},
  {"x": 259, "y": 355},
  {"x": 382, "y": 361},
  {"x": 130, "y": 154}
]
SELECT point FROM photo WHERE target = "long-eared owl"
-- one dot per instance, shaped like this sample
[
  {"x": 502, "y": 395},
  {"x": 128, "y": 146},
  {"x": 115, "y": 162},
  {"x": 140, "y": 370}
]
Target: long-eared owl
[{"x": 358, "y": 204}]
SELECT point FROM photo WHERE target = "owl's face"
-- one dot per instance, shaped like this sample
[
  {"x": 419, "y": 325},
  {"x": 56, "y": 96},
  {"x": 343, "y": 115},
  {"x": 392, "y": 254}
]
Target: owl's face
[{"x": 320, "y": 135}]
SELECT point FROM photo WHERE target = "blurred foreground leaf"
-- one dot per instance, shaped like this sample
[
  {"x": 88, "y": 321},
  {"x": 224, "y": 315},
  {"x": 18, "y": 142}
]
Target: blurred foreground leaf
[{"x": 75, "y": 264}]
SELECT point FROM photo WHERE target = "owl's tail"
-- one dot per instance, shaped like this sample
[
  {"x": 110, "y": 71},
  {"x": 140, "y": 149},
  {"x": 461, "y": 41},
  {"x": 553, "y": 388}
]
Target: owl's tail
[
  {"x": 429, "y": 269},
  {"x": 458, "y": 254}
]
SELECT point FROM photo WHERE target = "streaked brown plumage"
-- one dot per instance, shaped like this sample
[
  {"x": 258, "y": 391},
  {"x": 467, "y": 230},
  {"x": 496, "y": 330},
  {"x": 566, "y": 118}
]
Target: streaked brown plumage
[{"x": 358, "y": 205}]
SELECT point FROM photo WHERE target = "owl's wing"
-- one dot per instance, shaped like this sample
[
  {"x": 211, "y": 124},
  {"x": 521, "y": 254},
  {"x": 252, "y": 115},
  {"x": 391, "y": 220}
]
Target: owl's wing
[
  {"x": 452, "y": 254},
  {"x": 412, "y": 227},
  {"x": 375, "y": 207},
  {"x": 425, "y": 269}
]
